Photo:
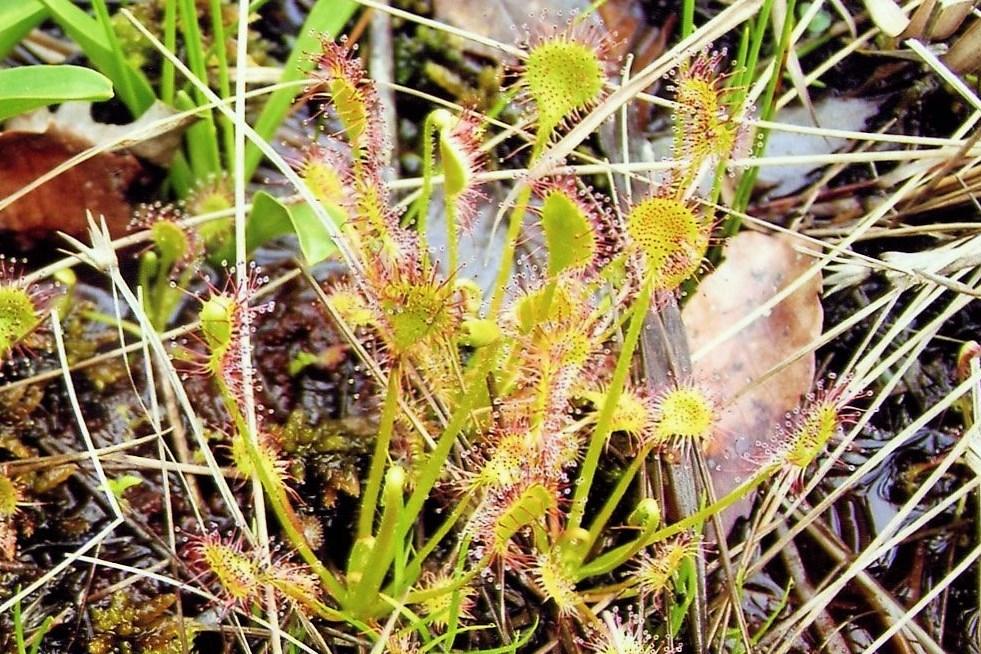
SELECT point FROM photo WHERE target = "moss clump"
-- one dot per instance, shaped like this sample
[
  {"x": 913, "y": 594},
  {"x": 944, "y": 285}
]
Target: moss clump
[{"x": 140, "y": 627}]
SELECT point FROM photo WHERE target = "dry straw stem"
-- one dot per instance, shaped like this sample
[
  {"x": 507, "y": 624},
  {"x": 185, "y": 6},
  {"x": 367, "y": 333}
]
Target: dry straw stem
[
  {"x": 867, "y": 468},
  {"x": 883, "y": 542},
  {"x": 839, "y": 252},
  {"x": 449, "y": 29},
  {"x": 138, "y": 135},
  {"x": 927, "y": 155},
  {"x": 90, "y": 448},
  {"x": 241, "y": 273},
  {"x": 373, "y": 367},
  {"x": 169, "y": 335},
  {"x": 556, "y": 153},
  {"x": 868, "y": 360},
  {"x": 909, "y": 351},
  {"x": 101, "y": 256},
  {"x": 865, "y": 223}
]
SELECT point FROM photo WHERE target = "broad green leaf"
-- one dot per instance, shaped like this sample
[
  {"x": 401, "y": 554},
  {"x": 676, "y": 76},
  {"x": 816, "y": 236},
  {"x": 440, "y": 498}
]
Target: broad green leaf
[
  {"x": 315, "y": 241},
  {"x": 204, "y": 156},
  {"x": 90, "y": 37},
  {"x": 270, "y": 219},
  {"x": 17, "y": 19},
  {"x": 119, "y": 485},
  {"x": 531, "y": 506},
  {"x": 29, "y": 87}
]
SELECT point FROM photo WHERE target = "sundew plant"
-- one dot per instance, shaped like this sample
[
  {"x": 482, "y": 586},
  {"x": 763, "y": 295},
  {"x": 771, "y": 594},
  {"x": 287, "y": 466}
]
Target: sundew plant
[{"x": 528, "y": 470}]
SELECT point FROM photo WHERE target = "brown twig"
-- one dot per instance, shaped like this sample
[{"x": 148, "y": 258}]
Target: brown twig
[{"x": 831, "y": 636}]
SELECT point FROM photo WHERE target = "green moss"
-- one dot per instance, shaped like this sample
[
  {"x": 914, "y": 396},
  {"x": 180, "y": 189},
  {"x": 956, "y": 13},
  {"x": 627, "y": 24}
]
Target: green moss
[{"x": 139, "y": 627}]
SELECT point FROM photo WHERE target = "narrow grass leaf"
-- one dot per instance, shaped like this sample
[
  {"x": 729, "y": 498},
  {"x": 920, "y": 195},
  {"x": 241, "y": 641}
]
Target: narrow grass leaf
[
  {"x": 88, "y": 34},
  {"x": 17, "y": 19},
  {"x": 887, "y": 16}
]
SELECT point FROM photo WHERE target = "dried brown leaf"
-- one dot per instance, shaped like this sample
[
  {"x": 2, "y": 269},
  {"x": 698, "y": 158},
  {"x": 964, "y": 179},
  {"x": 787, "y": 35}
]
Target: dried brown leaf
[
  {"x": 154, "y": 136},
  {"x": 98, "y": 184},
  {"x": 36, "y": 143},
  {"x": 888, "y": 16},
  {"x": 964, "y": 56},
  {"x": 757, "y": 266}
]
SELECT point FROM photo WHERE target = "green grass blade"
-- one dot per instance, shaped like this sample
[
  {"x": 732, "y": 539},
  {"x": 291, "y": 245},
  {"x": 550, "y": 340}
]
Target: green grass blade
[
  {"x": 180, "y": 176},
  {"x": 124, "y": 83},
  {"x": 29, "y": 87},
  {"x": 327, "y": 17},
  {"x": 687, "y": 18},
  {"x": 224, "y": 85},
  {"x": 202, "y": 140},
  {"x": 167, "y": 73},
  {"x": 42, "y": 631},
  {"x": 205, "y": 157},
  {"x": 90, "y": 37},
  {"x": 748, "y": 179},
  {"x": 17, "y": 19}
]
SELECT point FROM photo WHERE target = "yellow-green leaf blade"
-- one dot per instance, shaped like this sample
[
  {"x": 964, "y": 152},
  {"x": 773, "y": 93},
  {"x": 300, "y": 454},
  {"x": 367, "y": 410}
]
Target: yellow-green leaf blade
[{"x": 28, "y": 87}]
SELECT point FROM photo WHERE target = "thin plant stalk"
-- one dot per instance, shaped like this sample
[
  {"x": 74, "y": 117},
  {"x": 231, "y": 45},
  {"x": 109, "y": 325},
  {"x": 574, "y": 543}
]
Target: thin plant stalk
[{"x": 604, "y": 423}]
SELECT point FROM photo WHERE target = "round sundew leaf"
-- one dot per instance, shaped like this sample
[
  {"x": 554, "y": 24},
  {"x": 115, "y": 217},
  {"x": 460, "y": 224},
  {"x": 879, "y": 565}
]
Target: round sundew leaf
[
  {"x": 556, "y": 582},
  {"x": 171, "y": 240},
  {"x": 237, "y": 573},
  {"x": 632, "y": 413},
  {"x": 415, "y": 313},
  {"x": 351, "y": 307},
  {"x": 534, "y": 308},
  {"x": 569, "y": 235},
  {"x": 563, "y": 77},
  {"x": 480, "y": 332},
  {"x": 216, "y": 321},
  {"x": 211, "y": 201},
  {"x": 817, "y": 427},
  {"x": 647, "y": 514},
  {"x": 9, "y": 496},
  {"x": 686, "y": 412},
  {"x": 671, "y": 237},
  {"x": 18, "y": 317}
]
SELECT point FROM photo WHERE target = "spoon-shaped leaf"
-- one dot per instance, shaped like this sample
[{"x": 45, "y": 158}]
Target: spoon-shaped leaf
[{"x": 29, "y": 87}]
